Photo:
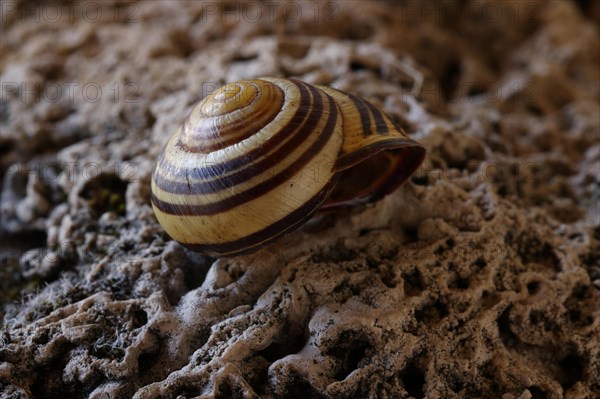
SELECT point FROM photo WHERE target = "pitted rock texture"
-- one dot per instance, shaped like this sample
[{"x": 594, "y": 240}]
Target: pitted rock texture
[{"x": 479, "y": 278}]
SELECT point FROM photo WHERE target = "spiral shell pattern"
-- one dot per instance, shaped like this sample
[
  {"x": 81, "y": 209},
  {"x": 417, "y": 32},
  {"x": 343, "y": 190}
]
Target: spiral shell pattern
[
  {"x": 209, "y": 187},
  {"x": 256, "y": 158}
]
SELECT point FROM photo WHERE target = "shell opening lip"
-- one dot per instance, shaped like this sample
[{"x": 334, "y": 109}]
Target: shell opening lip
[{"x": 366, "y": 178}]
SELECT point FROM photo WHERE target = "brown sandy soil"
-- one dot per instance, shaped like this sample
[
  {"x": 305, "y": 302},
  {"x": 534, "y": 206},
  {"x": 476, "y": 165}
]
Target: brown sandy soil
[{"x": 479, "y": 278}]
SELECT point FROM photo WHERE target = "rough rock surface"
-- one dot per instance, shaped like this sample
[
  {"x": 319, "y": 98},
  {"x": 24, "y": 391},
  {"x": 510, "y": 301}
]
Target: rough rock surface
[{"x": 479, "y": 278}]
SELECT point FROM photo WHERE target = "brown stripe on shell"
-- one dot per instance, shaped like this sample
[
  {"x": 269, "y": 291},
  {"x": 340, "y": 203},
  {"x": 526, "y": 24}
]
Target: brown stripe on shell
[
  {"x": 201, "y": 133},
  {"x": 363, "y": 111},
  {"x": 261, "y": 188},
  {"x": 269, "y": 233},
  {"x": 247, "y": 158},
  {"x": 298, "y": 130},
  {"x": 189, "y": 123},
  {"x": 246, "y": 128},
  {"x": 211, "y": 138},
  {"x": 380, "y": 124}
]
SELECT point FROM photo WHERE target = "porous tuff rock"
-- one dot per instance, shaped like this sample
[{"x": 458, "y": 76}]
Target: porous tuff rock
[{"x": 479, "y": 278}]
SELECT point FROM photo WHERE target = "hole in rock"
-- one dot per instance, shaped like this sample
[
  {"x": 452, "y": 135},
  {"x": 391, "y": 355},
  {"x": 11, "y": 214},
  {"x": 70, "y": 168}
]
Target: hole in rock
[
  {"x": 533, "y": 287},
  {"x": 432, "y": 314},
  {"x": 351, "y": 363},
  {"x": 509, "y": 339},
  {"x": 147, "y": 360},
  {"x": 350, "y": 350},
  {"x": 590, "y": 259},
  {"x": 538, "y": 317},
  {"x": 533, "y": 250},
  {"x": 297, "y": 387},
  {"x": 293, "y": 343},
  {"x": 420, "y": 180},
  {"x": 257, "y": 375},
  {"x": 537, "y": 393},
  {"x": 6, "y": 146},
  {"x": 105, "y": 193},
  {"x": 226, "y": 391},
  {"x": 451, "y": 78},
  {"x": 476, "y": 91},
  {"x": 582, "y": 305},
  {"x": 460, "y": 283},
  {"x": 413, "y": 285},
  {"x": 244, "y": 58},
  {"x": 139, "y": 318},
  {"x": 47, "y": 380},
  {"x": 196, "y": 269},
  {"x": 358, "y": 66},
  {"x": 535, "y": 109},
  {"x": 413, "y": 379},
  {"x": 572, "y": 370},
  {"x": 19, "y": 243},
  {"x": 584, "y": 5}
]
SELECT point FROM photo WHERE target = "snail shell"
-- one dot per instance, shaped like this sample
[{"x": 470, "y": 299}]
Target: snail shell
[{"x": 256, "y": 158}]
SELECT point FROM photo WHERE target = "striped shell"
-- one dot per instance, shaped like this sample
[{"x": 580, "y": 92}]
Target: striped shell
[{"x": 256, "y": 158}]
